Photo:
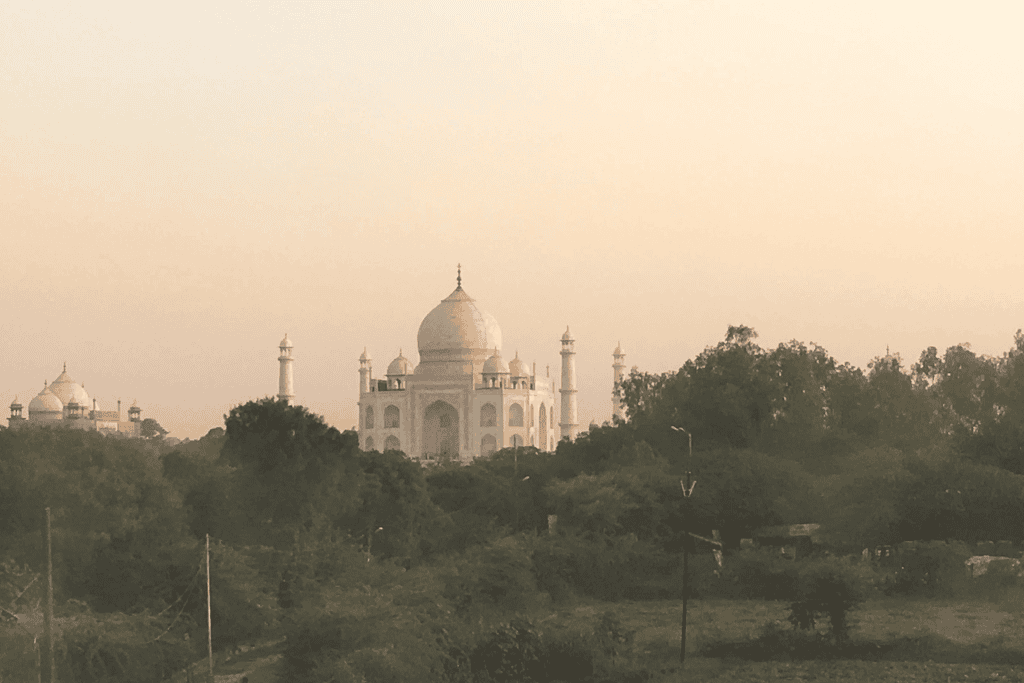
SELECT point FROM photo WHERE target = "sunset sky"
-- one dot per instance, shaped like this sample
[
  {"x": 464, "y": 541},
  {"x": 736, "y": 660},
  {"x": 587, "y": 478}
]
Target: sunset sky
[{"x": 182, "y": 183}]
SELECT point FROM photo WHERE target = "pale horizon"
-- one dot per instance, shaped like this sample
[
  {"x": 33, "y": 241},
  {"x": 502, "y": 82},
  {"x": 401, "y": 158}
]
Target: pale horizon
[{"x": 181, "y": 186}]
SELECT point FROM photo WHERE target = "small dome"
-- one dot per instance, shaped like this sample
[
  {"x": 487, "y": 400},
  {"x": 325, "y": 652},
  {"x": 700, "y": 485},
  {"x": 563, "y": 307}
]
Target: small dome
[
  {"x": 517, "y": 368},
  {"x": 566, "y": 336},
  {"x": 15, "y": 404},
  {"x": 45, "y": 402},
  {"x": 364, "y": 357},
  {"x": 66, "y": 389},
  {"x": 400, "y": 366},
  {"x": 618, "y": 350},
  {"x": 285, "y": 343},
  {"x": 495, "y": 365}
]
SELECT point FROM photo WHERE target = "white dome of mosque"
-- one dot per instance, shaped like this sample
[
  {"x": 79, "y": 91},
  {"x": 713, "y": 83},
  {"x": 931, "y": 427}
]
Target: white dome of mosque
[
  {"x": 66, "y": 389},
  {"x": 458, "y": 324},
  {"x": 567, "y": 336},
  {"x": 518, "y": 368},
  {"x": 285, "y": 343},
  {"x": 45, "y": 402},
  {"x": 495, "y": 365},
  {"x": 400, "y": 366}
]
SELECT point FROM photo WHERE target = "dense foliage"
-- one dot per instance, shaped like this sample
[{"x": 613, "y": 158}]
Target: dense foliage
[{"x": 387, "y": 570}]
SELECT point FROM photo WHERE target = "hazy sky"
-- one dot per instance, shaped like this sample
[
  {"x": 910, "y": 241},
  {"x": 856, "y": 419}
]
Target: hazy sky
[{"x": 182, "y": 183}]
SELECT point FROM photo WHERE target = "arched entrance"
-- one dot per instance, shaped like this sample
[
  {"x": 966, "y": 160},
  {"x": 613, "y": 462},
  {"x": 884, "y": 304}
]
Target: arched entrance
[{"x": 441, "y": 431}]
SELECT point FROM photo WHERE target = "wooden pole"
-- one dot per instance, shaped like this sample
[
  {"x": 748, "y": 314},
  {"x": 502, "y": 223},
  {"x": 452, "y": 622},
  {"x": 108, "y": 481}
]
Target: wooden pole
[
  {"x": 51, "y": 675},
  {"x": 687, "y": 487},
  {"x": 209, "y": 611}
]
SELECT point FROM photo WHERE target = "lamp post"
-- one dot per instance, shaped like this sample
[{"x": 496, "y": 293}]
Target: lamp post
[{"x": 687, "y": 490}]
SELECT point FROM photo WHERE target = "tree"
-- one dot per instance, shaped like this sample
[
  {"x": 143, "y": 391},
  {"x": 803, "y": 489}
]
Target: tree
[
  {"x": 902, "y": 412},
  {"x": 204, "y": 484},
  {"x": 394, "y": 499},
  {"x": 151, "y": 429},
  {"x": 118, "y": 525},
  {"x": 799, "y": 380},
  {"x": 289, "y": 464}
]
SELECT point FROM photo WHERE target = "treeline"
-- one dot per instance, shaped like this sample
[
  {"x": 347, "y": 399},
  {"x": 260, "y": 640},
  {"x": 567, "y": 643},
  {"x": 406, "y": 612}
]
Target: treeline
[
  {"x": 799, "y": 402},
  {"x": 415, "y": 569}
]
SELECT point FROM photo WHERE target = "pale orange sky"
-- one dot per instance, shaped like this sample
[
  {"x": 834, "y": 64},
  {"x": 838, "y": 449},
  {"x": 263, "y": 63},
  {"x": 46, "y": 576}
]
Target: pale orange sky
[{"x": 181, "y": 184}]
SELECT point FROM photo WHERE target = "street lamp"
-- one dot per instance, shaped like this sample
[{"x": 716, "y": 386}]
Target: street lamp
[{"x": 687, "y": 492}]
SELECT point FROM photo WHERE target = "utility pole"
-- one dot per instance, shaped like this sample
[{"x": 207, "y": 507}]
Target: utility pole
[
  {"x": 687, "y": 491},
  {"x": 51, "y": 674},
  {"x": 209, "y": 611}
]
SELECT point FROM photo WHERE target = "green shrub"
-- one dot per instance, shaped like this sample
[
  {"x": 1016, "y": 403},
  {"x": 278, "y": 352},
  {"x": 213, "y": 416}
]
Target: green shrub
[
  {"x": 513, "y": 654},
  {"x": 612, "y": 637},
  {"x": 242, "y": 599},
  {"x": 363, "y": 635},
  {"x": 603, "y": 567},
  {"x": 496, "y": 576},
  {"x": 121, "y": 649},
  {"x": 18, "y": 653},
  {"x": 828, "y": 588},
  {"x": 757, "y": 573},
  {"x": 927, "y": 567}
]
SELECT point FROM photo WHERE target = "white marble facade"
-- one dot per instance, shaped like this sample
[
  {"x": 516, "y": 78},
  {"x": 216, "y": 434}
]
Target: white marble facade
[{"x": 463, "y": 400}]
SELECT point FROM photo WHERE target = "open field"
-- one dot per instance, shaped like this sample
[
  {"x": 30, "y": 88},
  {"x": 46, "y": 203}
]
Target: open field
[
  {"x": 952, "y": 632},
  {"x": 947, "y": 640}
]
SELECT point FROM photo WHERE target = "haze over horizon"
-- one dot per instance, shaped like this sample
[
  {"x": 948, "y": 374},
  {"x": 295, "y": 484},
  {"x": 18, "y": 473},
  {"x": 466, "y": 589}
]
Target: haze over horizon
[{"x": 182, "y": 185}]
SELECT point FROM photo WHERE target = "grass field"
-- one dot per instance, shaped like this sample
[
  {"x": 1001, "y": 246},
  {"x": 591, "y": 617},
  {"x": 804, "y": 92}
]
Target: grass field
[
  {"x": 980, "y": 639},
  {"x": 950, "y": 640}
]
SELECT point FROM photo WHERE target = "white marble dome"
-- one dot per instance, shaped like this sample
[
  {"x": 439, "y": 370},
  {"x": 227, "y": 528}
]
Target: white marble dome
[
  {"x": 45, "y": 402},
  {"x": 400, "y": 366},
  {"x": 457, "y": 325},
  {"x": 518, "y": 368},
  {"x": 495, "y": 365},
  {"x": 66, "y": 389}
]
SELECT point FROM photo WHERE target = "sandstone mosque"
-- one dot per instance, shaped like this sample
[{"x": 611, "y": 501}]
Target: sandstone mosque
[
  {"x": 65, "y": 403},
  {"x": 463, "y": 400}
]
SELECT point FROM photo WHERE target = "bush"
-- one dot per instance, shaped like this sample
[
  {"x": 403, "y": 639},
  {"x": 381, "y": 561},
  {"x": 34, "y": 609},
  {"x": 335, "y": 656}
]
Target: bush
[
  {"x": 498, "y": 575},
  {"x": 242, "y": 599},
  {"x": 828, "y": 588},
  {"x": 927, "y": 567},
  {"x": 518, "y": 652},
  {"x": 602, "y": 567},
  {"x": 364, "y": 635},
  {"x": 512, "y": 653},
  {"x": 121, "y": 649},
  {"x": 761, "y": 574}
]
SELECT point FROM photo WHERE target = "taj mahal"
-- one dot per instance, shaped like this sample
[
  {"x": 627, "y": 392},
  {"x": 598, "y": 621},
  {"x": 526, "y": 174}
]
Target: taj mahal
[{"x": 463, "y": 400}]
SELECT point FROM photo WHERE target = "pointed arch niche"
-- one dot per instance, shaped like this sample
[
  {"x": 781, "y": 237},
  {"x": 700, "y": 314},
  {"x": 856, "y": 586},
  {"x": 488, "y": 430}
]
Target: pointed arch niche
[
  {"x": 488, "y": 415},
  {"x": 515, "y": 415},
  {"x": 441, "y": 430}
]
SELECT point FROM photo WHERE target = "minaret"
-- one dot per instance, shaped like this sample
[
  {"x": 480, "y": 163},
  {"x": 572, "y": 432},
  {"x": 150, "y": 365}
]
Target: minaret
[
  {"x": 365, "y": 371},
  {"x": 568, "y": 424},
  {"x": 617, "y": 368},
  {"x": 286, "y": 386}
]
